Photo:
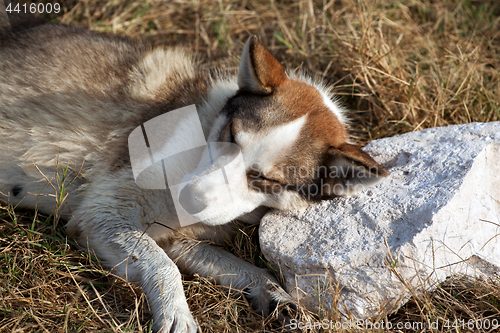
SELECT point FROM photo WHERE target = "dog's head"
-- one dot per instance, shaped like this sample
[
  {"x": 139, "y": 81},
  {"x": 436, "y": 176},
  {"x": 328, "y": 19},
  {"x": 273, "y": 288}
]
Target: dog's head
[{"x": 293, "y": 142}]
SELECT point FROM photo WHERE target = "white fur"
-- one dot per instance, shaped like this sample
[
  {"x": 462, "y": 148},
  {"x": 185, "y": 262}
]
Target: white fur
[
  {"x": 220, "y": 91},
  {"x": 334, "y": 107},
  {"x": 268, "y": 146},
  {"x": 156, "y": 68},
  {"x": 225, "y": 201}
]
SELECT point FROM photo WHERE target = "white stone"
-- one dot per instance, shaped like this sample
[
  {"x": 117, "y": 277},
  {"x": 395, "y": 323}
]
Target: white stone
[{"x": 439, "y": 212}]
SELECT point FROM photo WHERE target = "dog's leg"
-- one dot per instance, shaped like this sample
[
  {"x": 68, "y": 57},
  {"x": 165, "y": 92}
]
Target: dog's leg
[
  {"x": 259, "y": 286},
  {"x": 107, "y": 223}
]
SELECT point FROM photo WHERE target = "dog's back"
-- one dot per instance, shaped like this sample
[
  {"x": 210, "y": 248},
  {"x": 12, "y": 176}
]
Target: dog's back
[{"x": 73, "y": 96}]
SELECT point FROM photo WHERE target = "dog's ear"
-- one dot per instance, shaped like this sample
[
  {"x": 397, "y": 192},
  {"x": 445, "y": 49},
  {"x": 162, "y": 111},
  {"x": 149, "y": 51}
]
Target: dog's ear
[
  {"x": 350, "y": 170},
  {"x": 259, "y": 71}
]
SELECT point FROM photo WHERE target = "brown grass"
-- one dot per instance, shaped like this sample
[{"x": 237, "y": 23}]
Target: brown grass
[{"x": 398, "y": 66}]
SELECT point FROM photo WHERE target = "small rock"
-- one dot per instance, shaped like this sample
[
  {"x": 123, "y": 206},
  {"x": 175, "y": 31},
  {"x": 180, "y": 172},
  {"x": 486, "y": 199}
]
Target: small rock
[{"x": 437, "y": 214}]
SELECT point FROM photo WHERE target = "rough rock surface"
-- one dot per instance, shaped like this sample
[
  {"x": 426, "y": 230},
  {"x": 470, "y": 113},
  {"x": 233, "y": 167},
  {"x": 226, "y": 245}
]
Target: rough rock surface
[{"x": 438, "y": 213}]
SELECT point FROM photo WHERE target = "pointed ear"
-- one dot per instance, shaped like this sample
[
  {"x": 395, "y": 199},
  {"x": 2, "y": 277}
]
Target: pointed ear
[
  {"x": 259, "y": 71},
  {"x": 350, "y": 170}
]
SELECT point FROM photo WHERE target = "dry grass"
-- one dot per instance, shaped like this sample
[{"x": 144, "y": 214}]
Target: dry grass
[{"x": 399, "y": 66}]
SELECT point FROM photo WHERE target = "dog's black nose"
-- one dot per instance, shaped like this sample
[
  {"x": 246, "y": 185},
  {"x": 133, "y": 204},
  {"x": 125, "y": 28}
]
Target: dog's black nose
[{"x": 191, "y": 202}]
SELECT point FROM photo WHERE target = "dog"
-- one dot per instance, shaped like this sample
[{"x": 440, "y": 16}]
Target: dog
[{"x": 70, "y": 99}]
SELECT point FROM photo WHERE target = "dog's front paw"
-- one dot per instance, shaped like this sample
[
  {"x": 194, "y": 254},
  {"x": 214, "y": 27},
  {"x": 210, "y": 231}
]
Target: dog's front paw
[
  {"x": 268, "y": 296},
  {"x": 177, "y": 321}
]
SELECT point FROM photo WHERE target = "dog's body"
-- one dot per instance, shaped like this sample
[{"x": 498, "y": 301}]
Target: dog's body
[{"x": 70, "y": 97}]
